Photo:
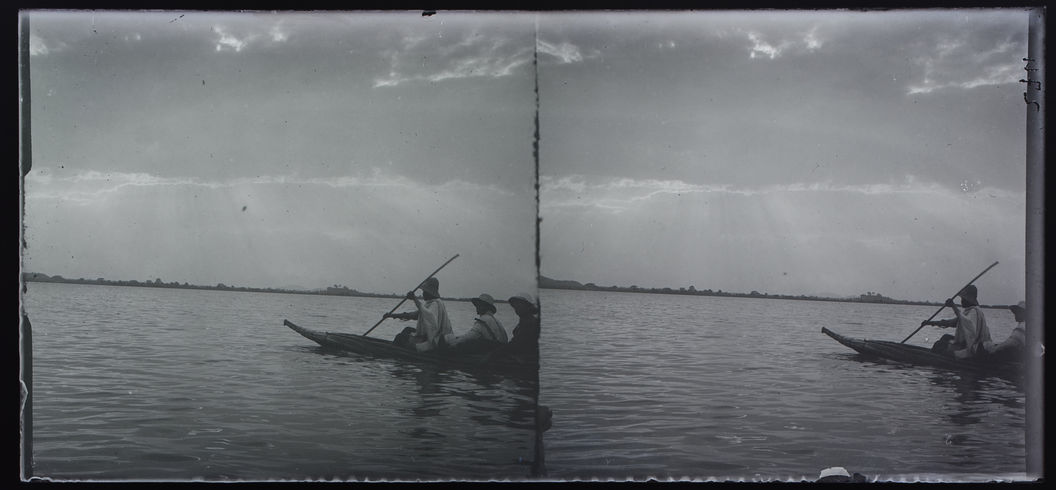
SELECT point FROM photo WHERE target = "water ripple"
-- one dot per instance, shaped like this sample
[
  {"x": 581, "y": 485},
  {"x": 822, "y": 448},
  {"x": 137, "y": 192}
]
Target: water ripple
[
  {"x": 673, "y": 386},
  {"x": 213, "y": 387}
]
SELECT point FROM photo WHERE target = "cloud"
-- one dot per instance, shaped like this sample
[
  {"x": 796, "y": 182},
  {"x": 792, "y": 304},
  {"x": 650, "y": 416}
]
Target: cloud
[
  {"x": 226, "y": 40},
  {"x": 478, "y": 67},
  {"x": 473, "y": 55},
  {"x": 799, "y": 43},
  {"x": 811, "y": 39},
  {"x": 827, "y": 237},
  {"x": 88, "y": 187},
  {"x": 622, "y": 194},
  {"x": 992, "y": 75},
  {"x": 566, "y": 52},
  {"x": 761, "y": 47},
  {"x": 963, "y": 62},
  {"x": 278, "y": 34},
  {"x": 131, "y": 225},
  {"x": 613, "y": 195},
  {"x": 39, "y": 47}
]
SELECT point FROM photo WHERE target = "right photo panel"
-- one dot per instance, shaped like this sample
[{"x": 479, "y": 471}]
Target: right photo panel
[{"x": 782, "y": 245}]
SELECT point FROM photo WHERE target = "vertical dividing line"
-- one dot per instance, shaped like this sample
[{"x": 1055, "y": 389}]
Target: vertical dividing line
[
  {"x": 538, "y": 460},
  {"x": 1035, "y": 242},
  {"x": 535, "y": 151},
  {"x": 25, "y": 346}
]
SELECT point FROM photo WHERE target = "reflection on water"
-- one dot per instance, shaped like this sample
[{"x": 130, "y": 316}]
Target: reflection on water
[
  {"x": 975, "y": 400},
  {"x": 517, "y": 399}
]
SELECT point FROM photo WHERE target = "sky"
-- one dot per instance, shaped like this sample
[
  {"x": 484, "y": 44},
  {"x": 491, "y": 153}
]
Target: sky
[
  {"x": 284, "y": 149},
  {"x": 814, "y": 152},
  {"x": 819, "y": 153}
]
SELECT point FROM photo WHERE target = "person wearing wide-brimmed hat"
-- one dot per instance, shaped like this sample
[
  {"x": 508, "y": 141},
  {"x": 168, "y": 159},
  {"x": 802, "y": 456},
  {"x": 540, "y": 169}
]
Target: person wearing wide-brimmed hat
[
  {"x": 1012, "y": 347},
  {"x": 433, "y": 322},
  {"x": 487, "y": 332},
  {"x": 972, "y": 337},
  {"x": 524, "y": 346}
]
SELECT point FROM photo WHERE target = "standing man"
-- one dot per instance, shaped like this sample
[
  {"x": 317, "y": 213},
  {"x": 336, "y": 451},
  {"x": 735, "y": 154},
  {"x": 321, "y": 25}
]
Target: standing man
[
  {"x": 433, "y": 322},
  {"x": 972, "y": 336}
]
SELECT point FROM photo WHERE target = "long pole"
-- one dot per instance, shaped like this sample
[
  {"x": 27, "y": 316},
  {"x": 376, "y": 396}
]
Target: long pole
[
  {"x": 959, "y": 291},
  {"x": 415, "y": 289}
]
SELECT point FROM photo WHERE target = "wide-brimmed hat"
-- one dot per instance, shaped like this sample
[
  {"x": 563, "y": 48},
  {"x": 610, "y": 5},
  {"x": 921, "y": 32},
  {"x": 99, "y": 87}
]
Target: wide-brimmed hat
[
  {"x": 485, "y": 300},
  {"x": 526, "y": 298},
  {"x": 969, "y": 292},
  {"x": 432, "y": 286},
  {"x": 1020, "y": 308}
]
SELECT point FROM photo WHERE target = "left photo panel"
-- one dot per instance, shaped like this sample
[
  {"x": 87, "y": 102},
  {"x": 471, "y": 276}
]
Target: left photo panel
[{"x": 279, "y": 246}]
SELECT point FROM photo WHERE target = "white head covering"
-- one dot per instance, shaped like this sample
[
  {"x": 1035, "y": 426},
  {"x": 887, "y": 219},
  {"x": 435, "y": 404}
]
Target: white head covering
[
  {"x": 834, "y": 471},
  {"x": 432, "y": 285}
]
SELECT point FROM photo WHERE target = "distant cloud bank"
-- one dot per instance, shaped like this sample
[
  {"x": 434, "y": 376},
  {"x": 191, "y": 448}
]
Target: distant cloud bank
[{"x": 618, "y": 194}]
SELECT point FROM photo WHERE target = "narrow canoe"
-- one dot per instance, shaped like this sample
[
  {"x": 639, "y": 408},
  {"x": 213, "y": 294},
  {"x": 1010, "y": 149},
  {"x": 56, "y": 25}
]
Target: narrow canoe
[
  {"x": 913, "y": 354},
  {"x": 375, "y": 347}
]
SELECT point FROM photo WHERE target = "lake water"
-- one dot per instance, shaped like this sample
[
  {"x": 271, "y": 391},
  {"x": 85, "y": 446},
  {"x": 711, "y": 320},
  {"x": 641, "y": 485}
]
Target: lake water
[
  {"x": 170, "y": 384},
  {"x": 692, "y": 387}
]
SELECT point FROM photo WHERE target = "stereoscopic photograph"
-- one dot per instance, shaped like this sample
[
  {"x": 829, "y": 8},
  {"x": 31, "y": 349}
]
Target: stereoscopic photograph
[
  {"x": 749, "y": 243},
  {"x": 421, "y": 246},
  {"x": 281, "y": 246}
]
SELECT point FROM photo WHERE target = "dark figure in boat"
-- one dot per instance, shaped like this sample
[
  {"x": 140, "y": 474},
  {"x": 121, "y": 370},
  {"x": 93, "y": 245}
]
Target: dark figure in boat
[
  {"x": 1012, "y": 348},
  {"x": 524, "y": 346},
  {"x": 431, "y": 314},
  {"x": 486, "y": 334},
  {"x": 972, "y": 336}
]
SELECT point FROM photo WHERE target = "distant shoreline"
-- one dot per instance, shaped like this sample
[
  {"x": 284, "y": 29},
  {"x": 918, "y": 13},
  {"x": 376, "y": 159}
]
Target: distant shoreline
[
  {"x": 335, "y": 290},
  {"x": 874, "y": 298},
  {"x": 544, "y": 283}
]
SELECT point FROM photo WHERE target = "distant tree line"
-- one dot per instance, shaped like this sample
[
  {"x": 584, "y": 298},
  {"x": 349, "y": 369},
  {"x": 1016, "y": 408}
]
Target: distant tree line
[
  {"x": 869, "y": 297},
  {"x": 335, "y": 290},
  {"x": 544, "y": 283}
]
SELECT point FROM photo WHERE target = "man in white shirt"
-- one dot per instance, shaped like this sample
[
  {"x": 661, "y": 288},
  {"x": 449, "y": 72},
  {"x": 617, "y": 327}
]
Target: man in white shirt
[
  {"x": 433, "y": 322},
  {"x": 972, "y": 336}
]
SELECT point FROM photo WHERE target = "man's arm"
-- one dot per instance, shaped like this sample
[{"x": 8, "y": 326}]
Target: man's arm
[
  {"x": 947, "y": 323},
  {"x": 956, "y": 310},
  {"x": 409, "y": 315},
  {"x": 417, "y": 302}
]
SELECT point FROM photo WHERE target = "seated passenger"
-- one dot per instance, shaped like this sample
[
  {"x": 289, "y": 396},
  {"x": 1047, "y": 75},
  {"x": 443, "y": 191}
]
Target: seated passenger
[
  {"x": 524, "y": 346},
  {"x": 1012, "y": 347},
  {"x": 487, "y": 332}
]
